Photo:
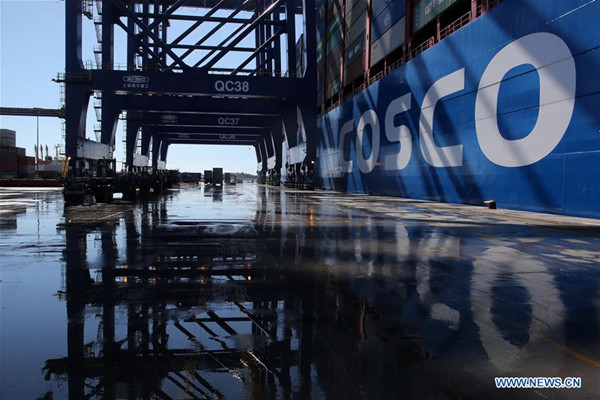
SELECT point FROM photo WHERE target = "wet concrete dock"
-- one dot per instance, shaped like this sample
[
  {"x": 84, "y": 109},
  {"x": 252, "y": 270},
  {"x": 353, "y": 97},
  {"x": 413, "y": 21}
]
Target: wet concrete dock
[{"x": 254, "y": 292}]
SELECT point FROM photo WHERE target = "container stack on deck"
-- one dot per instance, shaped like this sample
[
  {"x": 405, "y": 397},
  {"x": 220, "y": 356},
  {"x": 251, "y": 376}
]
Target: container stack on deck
[
  {"x": 355, "y": 41},
  {"x": 14, "y": 164},
  {"x": 334, "y": 50},
  {"x": 26, "y": 167},
  {"x": 8, "y": 164},
  {"x": 387, "y": 28},
  {"x": 360, "y": 41},
  {"x": 321, "y": 24},
  {"x": 352, "y": 37}
]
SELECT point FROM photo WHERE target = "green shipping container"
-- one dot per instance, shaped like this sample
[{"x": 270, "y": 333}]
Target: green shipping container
[
  {"x": 334, "y": 40},
  {"x": 334, "y": 24},
  {"x": 353, "y": 14},
  {"x": 352, "y": 32},
  {"x": 356, "y": 49},
  {"x": 426, "y": 10}
]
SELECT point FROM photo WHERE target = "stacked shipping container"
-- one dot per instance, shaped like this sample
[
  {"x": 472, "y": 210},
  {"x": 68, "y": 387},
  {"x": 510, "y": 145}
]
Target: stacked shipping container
[
  {"x": 14, "y": 164},
  {"x": 7, "y": 138},
  {"x": 8, "y": 155},
  {"x": 8, "y": 164},
  {"x": 334, "y": 51},
  {"x": 26, "y": 167},
  {"x": 355, "y": 40},
  {"x": 321, "y": 23},
  {"x": 427, "y": 10},
  {"x": 355, "y": 36},
  {"x": 344, "y": 38},
  {"x": 387, "y": 27}
]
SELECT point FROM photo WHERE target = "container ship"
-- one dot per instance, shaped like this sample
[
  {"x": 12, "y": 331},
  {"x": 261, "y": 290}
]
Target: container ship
[{"x": 462, "y": 101}]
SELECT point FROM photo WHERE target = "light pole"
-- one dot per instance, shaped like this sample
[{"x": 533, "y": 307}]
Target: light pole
[{"x": 37, "y": 158}]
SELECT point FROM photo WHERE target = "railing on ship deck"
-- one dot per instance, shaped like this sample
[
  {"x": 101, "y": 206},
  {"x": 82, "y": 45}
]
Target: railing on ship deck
[
  {"x": 446, "y": 31},
  {"x": 456, "y": 25}
]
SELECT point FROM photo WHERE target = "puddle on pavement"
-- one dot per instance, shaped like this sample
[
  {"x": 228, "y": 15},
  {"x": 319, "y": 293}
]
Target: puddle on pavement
[{"x": 258, "y": 293}]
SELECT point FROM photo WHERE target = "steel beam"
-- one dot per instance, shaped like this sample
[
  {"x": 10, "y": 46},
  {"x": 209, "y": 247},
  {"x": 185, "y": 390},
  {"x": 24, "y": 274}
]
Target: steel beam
[
  {"x": 108, "y": 36},
  {"x": 76, "y": 103},
  {"x": 109, "y": 119},
  {"x": 264, "y": 156},
  {"x": 33, "y": 112},
  {"x": 209, "y": 142},
  {"x": 307, "y": 103},
  {"x": 257, "y": 131},
  {"x": 202, "y": 103},
  {"x": 216, "y": 29},
  {"x": 220, "y": 106},
  {"x": 73, "y": 36},
  {"x": 201, "y": 124},
  {"x": 210, "y": 137},
  {"x": 162, "y": 142},
  {"x": 230, "y": 4},
  {"x": 207, "y": 120},
  {"x": 131, "y": 139},
  {"x": 197, "y": 83},
  {"x": 291, "y": 36},
  {"x": 245, "y": 32}
]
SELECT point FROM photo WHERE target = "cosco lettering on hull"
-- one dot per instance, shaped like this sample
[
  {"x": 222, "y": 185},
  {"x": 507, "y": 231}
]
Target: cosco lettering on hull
[{"x": 554, "y": 63}]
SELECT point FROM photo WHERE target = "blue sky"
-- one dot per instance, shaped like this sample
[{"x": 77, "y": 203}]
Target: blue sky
[{"x": 32, "y": 53}]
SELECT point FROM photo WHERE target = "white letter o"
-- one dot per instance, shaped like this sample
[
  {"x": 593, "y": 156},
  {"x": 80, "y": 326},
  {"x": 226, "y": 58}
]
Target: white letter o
[{"x": 554, "y": 63}]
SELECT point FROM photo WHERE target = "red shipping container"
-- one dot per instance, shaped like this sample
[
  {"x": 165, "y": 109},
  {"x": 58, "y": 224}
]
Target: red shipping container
[
  {"x": 355, "y": 69},
  {"x": 25, "y": 160},
  {"x": 8, "y": 166},
  {"x": 8, "y": 161}
]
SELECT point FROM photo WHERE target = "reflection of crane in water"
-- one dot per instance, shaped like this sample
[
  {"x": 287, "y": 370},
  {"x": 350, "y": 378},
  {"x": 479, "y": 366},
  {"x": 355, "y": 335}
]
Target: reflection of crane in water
[{"x": 201, "y": 320}]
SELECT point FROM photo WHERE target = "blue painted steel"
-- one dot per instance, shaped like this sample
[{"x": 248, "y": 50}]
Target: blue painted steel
[
  {"x": 564, "y": 176},
  {"x": 395, "y": 10}
]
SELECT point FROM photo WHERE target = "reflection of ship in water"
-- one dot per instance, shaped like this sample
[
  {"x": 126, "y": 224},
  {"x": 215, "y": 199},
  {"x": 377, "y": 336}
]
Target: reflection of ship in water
[
  {"x": 306, "y": 301},
  {"x": 436, "y": 310}
]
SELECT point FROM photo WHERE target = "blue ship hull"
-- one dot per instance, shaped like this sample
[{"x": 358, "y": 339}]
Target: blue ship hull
[{"x": 507, "y": 108}]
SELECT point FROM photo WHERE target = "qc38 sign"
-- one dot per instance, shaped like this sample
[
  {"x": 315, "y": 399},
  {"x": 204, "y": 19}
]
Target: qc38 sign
[{"x": 232, "y": 86}]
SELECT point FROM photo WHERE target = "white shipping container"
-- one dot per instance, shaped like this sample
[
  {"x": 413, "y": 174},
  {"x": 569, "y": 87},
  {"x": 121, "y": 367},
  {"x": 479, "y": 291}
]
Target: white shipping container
[{"x": 388, "y": 42}]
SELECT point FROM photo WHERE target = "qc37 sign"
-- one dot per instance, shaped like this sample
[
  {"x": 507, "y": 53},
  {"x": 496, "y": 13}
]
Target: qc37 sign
[
  {"x": 556, "y": 72},
  {"x": 228, "y": 121}
]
